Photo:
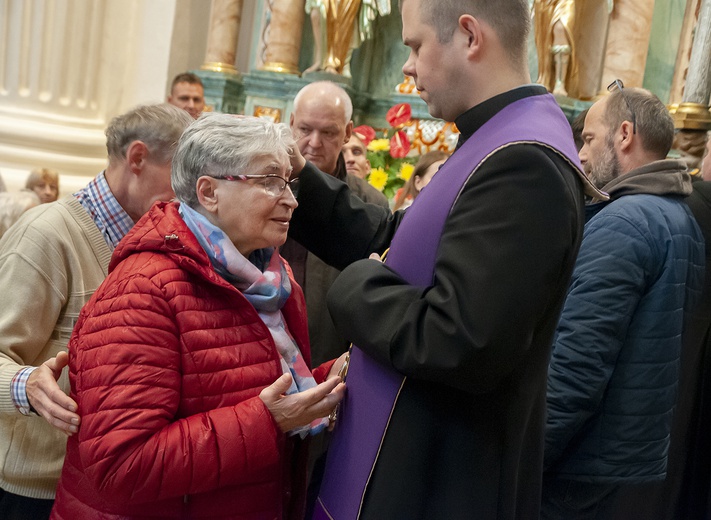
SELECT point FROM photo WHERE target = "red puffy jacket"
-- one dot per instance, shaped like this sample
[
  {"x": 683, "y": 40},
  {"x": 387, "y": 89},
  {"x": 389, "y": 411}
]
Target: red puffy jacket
[{"x": 166, "y": 363}]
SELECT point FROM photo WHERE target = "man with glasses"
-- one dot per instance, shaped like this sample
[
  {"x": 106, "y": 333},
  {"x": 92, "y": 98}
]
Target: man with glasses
[{"x": 613, "y": 373}]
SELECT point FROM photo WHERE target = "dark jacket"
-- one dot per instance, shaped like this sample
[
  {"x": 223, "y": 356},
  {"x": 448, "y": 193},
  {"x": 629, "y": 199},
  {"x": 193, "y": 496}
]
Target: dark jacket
[
  {"x": 316, "y": 277},
  {"x": 466, "y": 438},
  {"x": 614, "y": 368},
  {"x": 167, "y": 361}
]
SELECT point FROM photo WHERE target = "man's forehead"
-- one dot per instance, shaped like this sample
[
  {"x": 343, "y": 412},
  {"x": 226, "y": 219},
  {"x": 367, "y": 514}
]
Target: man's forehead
[
  {"x": 185, "y": 86},
  {"x": 319, "y": 119},
  {"x": 354, "y": 142}
]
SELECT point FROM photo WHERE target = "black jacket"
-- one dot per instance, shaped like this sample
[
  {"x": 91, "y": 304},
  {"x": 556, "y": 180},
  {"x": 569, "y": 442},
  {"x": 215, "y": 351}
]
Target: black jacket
[{"x": 466, "y": 439}]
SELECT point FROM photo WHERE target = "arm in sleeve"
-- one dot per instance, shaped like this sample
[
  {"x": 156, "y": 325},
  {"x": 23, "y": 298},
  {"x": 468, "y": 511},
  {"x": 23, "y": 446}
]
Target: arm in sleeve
[
  {"x": 609, "y": 279},
  {"x": 334, "y": 224},
  {"x": 126, "y": 368},
  {"x": 498, "y": 270},
  {"x": 29, "y": 310}
]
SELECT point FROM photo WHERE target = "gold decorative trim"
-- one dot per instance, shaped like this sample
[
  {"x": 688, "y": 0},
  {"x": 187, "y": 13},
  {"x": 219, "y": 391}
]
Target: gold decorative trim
[
  {"x": 691, "y": 116},
  {"x": 271, "y": 113},
  {"x": 216, "y": 66},
  {"x": 283, "y": 68},
  {"x": 380, "y": 447}
]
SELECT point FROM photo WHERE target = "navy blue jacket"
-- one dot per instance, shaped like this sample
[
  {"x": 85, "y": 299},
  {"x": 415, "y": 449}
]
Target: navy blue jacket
[{"x": 614, "y": 368}]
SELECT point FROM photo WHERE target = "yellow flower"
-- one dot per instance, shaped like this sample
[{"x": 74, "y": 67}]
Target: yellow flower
[
  {"x": 378, "y": 178},
  {"x": 379, "y": 145},
  {"x": 406, "y": 171}
]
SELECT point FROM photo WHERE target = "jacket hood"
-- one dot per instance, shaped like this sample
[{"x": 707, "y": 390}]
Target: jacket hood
[
  {"x": 163, "y": 230},
  {"x": 665, "y": 177}
]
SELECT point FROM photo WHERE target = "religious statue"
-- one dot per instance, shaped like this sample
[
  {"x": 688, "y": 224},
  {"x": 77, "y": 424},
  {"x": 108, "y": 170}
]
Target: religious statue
[
  {"x": 334, "y": 23},
  {"x": 553, "y": 26}
]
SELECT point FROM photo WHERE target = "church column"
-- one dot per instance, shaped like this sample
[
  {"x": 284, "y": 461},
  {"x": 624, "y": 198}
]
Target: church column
[
  {"x": 692, "y": 116},
  {"x": 683, "y": 54},
  {"x": 628, "y": 42},
  {"x": 222, "y": 36},
  {"x": 66, "y": 68},
  {"x": 282, "y": 35}
]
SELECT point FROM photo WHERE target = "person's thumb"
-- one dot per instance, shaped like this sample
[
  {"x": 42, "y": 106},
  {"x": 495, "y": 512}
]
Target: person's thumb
[
  {"x": 58, "y": 363},
  {"x": 282, "y": 385}
]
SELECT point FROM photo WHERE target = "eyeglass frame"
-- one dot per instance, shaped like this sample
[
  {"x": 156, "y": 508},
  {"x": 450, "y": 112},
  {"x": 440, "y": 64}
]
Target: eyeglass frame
[
  {"x": 620, "y": 86},
  {"x": 292, "y": 184}
]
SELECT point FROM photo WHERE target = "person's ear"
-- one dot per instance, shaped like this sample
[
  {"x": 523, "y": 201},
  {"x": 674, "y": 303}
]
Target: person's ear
[
  {"x": 626, "y": 135},
  {"x": 291, "y": 121},
  {"x": 136, "y": 156},
  {"x": 471, "y": 29},
  {"x": 206, "y": 191},
  {"x": 349, "y": 131}
]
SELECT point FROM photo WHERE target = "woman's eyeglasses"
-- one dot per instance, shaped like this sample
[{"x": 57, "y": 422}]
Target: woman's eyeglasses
[
  {"x": 273, "y": 184},
  {"x": 617, "y": 84}
]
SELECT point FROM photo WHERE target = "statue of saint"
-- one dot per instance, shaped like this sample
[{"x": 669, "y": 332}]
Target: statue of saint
[
  {"x": 553, "y": 27},
  {"x": 334, "y": 22}
]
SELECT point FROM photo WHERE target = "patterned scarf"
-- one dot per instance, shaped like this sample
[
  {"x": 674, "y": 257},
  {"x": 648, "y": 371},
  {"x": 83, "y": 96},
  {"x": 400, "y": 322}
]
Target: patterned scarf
[{"x": 263, "y": 280}]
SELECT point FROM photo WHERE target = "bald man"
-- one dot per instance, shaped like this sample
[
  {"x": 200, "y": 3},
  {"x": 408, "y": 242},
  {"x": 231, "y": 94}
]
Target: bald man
[{"x": 321, "y": 123}]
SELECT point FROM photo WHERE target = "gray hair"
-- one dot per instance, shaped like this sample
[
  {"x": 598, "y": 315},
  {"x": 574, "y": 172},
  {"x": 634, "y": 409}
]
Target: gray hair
[
  {"x": 158, "y": 126},
  {"x": 327, "y": 91},
  {"x": 13, "y": 205},
  {"x": 655, "y": 126},
  {"x": 221, "y": 144},
  {"x": 510, "y": 19}
]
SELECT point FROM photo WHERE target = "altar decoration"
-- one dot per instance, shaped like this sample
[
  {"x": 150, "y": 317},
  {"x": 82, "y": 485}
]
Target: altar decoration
[{"x": 390, "y": 159}]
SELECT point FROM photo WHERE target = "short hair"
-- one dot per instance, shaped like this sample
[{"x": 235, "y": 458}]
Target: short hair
[
  {"x": 510, "y": 19},
  {"x": 325, "y": 90},
  {"x": 158, "y": 126},
  {"x": 186, "y": 77},
  {"x": 221, "y": 144},
  {"x": 655, "y": 126},
  {"x": 13, "y": 205},
  {"x": 42, "y": 175},
  {"x": 577, "y": 126}
]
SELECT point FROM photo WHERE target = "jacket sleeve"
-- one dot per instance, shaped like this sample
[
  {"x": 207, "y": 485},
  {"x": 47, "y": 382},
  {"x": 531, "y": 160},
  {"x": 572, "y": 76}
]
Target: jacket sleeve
[
  {"x": 34, "y": 289},
  {"x": 329, "y": 213},
  {"x": 508, "y": 238},
  {"x": 609, "y": 279},
  {"x": 126, "y": 365}
]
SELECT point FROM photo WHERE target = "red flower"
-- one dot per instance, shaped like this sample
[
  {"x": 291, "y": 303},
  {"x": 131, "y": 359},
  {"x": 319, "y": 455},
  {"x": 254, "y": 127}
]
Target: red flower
[
  {"x": 398, "y": 115},
  {"x": 399, "y": 145},
  {"x": 365, "y": 133}
]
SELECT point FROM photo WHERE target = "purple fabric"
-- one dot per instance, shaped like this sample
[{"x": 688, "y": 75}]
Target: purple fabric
[{"x": 373, "y": 388}]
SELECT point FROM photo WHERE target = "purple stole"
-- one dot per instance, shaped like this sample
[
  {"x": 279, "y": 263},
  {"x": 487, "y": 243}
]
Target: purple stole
[{"x": 373, "y": 389}]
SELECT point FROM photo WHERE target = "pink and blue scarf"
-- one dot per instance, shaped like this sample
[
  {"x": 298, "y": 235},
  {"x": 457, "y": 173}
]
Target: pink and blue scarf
[{"x": 263, "y": 280}]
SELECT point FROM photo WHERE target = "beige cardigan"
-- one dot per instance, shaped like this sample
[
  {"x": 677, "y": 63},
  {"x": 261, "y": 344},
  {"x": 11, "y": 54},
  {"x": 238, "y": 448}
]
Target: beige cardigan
[{"x": 51, "y": 262}]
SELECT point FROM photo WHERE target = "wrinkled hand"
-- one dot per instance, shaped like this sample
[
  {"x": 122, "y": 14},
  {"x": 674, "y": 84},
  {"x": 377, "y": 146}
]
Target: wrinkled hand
[
  {"x": 297, "y": 162},
  {"x": 295, "y": 410},
  {"x": 47, "y": 398}
]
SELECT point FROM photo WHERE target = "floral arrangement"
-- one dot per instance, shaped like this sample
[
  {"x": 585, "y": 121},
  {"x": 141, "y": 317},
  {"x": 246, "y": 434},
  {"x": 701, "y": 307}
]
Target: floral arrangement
[{"x": 390, "y": 166}]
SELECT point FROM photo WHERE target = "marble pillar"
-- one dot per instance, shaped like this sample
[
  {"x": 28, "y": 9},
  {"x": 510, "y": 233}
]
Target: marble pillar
[
  {"x": 593, "y": 19},
  {"x": 282, "y": 35},
  {"x": 628, "y": 42},
  {"x": 698, "y": 80},
  {"x": 222, "y": 36},
  {"x": 693, "y": 113},
  {"x": 66, "y": 68},
  {"x": 683, "y": 54}
]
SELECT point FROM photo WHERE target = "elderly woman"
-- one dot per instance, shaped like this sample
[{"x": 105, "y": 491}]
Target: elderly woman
[{"x": 190, "y": 362}]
